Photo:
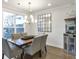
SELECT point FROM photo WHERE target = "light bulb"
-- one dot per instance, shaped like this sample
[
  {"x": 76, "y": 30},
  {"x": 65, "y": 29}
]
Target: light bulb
[
  {"x": 49, "y": 4},
  {"x": 35, "y": 21},
  {"x": 6, "y": 0}
]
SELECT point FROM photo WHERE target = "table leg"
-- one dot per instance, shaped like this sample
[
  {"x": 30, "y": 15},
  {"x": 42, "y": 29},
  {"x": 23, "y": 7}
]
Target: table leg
[{"x": 2, "y": 55}]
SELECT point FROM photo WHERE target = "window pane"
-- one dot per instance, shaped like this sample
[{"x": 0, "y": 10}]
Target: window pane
[
  {"x": 19, "y": 24},
  {"x": 19, "y": 21},
  {"x": 7, "y": 32},
  {"x": 19, "y": 30},
  {"x": 8, "y": 19}
]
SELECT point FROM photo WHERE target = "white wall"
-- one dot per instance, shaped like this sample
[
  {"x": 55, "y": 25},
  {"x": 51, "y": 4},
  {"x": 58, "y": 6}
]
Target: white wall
[
  {"x": 55, "y": 38},
  {"x": 30, "y": 28}
]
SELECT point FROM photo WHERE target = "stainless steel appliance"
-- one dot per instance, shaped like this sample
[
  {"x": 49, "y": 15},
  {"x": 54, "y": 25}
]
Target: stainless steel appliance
[{"x": 70, "y": 28}]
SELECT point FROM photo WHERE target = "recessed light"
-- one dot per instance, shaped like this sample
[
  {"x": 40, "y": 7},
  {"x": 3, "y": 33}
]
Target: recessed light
[
  {"x": 18, "y": 3},
  {"x": 6, "y": 0},
  {"x": 49, "y": 4}
]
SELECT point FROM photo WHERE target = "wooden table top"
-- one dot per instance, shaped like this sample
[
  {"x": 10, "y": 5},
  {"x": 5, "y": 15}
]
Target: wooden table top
[{"x": 21, "y": 42}]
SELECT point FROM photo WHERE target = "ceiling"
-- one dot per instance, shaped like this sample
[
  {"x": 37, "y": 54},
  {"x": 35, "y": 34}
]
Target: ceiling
[{"x": 36, "y": 4}]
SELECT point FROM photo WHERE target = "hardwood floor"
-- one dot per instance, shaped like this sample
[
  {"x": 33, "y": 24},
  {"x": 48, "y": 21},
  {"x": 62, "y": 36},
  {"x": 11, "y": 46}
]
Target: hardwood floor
[
  {"x": 52, "y": 53},
  {"x": 58, "y": 53}
]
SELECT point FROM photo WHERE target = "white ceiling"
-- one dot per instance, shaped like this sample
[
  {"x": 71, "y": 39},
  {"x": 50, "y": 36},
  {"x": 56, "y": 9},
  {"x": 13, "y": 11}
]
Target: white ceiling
[{"x": 37, "y": 4}]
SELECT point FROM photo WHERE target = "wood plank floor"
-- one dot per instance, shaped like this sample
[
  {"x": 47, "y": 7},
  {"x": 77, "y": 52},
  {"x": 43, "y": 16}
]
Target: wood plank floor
[{"x": 52, "y": 53}]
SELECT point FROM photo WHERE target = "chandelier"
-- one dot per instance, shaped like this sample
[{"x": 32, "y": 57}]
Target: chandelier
[{"x": 29, "y": 16}]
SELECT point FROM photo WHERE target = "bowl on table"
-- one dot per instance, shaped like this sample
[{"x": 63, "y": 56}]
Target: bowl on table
[{"x": 27, "y": 37}]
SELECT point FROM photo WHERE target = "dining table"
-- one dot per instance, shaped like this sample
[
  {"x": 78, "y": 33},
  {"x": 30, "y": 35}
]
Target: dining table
[{"x": 21, "y": 43}]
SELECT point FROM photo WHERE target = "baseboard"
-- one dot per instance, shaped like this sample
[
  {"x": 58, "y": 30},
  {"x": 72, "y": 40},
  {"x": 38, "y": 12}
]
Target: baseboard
[{"x": 53, "y": 46}]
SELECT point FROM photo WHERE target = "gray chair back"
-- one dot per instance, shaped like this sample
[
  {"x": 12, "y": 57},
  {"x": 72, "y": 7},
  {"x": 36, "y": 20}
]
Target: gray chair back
[
  {"x": 6, "y": 48},
  {"x": 16, "y": 36},
  {"x": 10, "y": 50},
  {"x": 36, "y": 44},
  {"x": 43, "y": 41}
]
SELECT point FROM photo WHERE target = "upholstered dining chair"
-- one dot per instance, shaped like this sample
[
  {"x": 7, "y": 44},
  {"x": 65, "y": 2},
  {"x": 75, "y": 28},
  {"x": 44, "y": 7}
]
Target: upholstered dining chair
[
  {"x": 16, "y": 36},
  {"x": 10, "y": 50},
  {"x": 43, "y": 43},
  {"x": 34, "y": 47}
]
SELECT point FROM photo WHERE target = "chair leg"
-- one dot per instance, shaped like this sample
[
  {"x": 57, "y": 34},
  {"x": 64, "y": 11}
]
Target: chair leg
[
  {"x": 45, "y": 49},
  {"x": 22, "y": 56},
  {"x": 40, "y": 54},
  {"x": 2, "y": 55},
  {"x": 27, "y": 56},
  {"x": 31, "y": 57}
]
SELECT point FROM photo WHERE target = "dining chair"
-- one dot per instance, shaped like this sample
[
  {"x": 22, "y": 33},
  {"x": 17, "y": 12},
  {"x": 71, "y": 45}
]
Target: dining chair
[
  {"x": 16, "y": 36},
  {"x": 34, "y": 47},
  {"x": 10, "y": 50},
  {"x": 43, "y": 43}
]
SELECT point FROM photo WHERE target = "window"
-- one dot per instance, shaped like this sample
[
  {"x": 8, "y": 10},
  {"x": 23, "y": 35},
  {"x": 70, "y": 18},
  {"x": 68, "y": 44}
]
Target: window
[
  {"x": 19, "y": 24},
  {"x": 44, "y": 23},
  {"x": 12, "y": 23},
  {"x": 8, "y": 26}
]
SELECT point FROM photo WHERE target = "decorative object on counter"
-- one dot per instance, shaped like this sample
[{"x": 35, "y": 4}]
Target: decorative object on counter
[
  {"x": 27, "y": 37},
  {"x": 16, "y": 36}
]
